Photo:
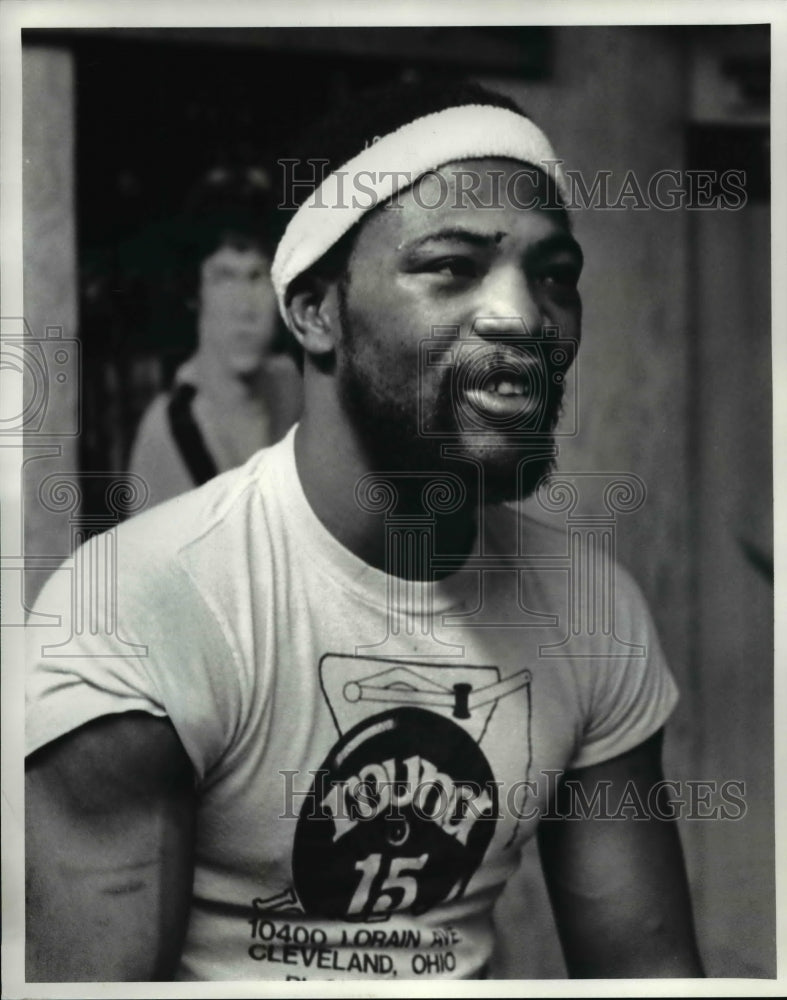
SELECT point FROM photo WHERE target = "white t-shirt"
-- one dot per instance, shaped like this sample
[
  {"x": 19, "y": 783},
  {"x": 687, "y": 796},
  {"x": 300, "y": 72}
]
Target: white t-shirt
[{"x": 370, "y": 753}]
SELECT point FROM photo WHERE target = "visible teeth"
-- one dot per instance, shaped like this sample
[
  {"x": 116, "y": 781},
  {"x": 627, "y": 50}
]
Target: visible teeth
[{"x": 510, "y": 389}]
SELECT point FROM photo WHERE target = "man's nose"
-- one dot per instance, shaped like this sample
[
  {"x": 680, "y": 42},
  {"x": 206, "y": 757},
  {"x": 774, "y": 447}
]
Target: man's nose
[
  {"x": 246, "y": 299},
  {"x": 507, "y": 306}
]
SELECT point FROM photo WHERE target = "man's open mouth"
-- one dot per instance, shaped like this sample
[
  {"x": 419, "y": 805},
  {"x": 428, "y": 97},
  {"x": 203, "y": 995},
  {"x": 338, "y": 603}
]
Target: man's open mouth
[{"x": 503, "y": 386}]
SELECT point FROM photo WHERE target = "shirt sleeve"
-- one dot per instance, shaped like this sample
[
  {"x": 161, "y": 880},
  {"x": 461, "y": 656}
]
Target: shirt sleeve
[
  {"x": 630, "y": 696},
  {"x": 128, "y": 639}
]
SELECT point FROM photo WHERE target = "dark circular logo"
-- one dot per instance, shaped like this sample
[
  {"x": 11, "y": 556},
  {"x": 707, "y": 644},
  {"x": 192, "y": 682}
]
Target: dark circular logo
[{"x": 397, "y": 819}]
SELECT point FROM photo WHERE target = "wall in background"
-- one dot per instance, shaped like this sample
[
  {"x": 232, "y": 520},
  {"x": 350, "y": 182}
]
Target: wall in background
[{"x": 51, "y": 393}]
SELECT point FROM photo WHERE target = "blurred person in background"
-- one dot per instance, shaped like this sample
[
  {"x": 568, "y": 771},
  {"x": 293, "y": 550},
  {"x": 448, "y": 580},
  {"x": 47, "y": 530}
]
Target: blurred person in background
[{"x": 241, "y": 389}]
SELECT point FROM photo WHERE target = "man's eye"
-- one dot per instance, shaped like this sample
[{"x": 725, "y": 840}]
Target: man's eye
[
  {"x": 453, "y": 267},
  {"x": 220, "y": 277},
  {"x": 560, "y": 276}
]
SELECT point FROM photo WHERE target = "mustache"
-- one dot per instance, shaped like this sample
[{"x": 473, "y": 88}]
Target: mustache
[{"x": 537, "y": 367}]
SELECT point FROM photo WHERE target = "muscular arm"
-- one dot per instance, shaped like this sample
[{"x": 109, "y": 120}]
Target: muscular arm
[
  {"x": 109, "y": 848},
  {"x": 618, "y": 886}
]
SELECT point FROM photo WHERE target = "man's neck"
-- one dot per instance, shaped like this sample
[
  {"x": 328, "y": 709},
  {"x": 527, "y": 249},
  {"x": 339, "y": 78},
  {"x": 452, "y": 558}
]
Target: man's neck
[{"x": 332, "y": 466}]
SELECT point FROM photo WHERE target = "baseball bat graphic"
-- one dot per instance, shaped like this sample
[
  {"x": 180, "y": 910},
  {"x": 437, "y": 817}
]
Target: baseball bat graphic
[{"x": 462, "y": 699}]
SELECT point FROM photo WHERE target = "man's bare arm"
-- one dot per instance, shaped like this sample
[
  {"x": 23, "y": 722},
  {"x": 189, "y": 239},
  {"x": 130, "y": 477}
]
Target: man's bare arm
[
  {"x": 618, "y": 886},
  {"x": 109, "y": 846}
]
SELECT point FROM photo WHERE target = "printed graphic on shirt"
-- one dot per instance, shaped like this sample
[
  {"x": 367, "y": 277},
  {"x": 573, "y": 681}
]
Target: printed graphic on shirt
[
  {"x": 402, "y": 810},
  {"x": 291, "y": 948},
  {"x": 398, "y": 818}
]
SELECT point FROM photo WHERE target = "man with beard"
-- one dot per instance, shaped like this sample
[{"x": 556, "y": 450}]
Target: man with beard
[{"x": 336, "y": 693}]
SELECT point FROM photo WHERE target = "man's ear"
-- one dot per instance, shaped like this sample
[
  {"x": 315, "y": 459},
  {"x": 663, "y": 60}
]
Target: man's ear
[{"x": 311, "y": 308}]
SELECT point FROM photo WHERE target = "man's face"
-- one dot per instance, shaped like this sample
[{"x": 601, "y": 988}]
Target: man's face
[
  {"x": 237, "y": 314},
  {"x": 483, "y": 284}
]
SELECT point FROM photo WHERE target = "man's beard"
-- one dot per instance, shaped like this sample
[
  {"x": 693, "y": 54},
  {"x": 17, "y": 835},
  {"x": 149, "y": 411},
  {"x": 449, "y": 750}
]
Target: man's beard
[{"x": 394, "y": 439}]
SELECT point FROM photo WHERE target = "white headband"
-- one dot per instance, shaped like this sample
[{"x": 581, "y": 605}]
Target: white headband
[{"x": 396, "y": 161}]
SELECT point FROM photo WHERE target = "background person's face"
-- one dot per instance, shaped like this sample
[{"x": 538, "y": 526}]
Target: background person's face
[
  {"x": 493, "y": 278},
  {"x": 237, "y": 309}
]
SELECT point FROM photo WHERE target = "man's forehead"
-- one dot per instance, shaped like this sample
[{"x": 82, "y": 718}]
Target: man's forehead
[{"x": 484, "y": 196}]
